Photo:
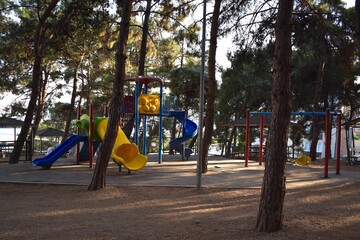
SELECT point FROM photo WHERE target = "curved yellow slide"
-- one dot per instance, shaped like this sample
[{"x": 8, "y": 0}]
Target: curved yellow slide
[{"x": 124, "y": 152}]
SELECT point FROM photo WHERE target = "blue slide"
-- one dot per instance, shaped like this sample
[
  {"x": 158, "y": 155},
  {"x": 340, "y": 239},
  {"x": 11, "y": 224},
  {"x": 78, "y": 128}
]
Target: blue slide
[
  {"x": 47, "y": 161},
  {"x": 189, "y": 128}
]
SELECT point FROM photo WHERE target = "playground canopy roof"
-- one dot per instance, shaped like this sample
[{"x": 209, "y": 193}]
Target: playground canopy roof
[
  {"x": 145, "y": 79},
  {"x": 49, "y": 132},
  {"x": 6, "y": 122}
]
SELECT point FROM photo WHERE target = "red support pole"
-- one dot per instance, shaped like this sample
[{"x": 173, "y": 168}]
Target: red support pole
[
  {"x": 78, "y": 133},
  {"x": 338, "y": 144},
  {"x": 91, "y": 133},
  {"x": 261, "y": 140},
  {"x": 327, "y": 143},
  {"x": 247, "y": 137}
]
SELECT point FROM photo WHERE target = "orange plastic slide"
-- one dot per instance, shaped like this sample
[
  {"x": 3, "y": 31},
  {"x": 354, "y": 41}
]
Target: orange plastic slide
[{"x": 124, "y": 152}]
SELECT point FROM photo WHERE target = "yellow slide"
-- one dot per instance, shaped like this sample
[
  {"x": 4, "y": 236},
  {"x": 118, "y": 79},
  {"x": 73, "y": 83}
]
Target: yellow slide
[{"x": 124, "y": 152}]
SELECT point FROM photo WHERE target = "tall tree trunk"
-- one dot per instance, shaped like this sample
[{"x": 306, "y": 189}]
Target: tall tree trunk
[
  {"x": 89, "y": 88},
  {"x": 270, "y": 216},
  {"x": 173, "y": 135},
  {"x": 173, "y": 128},
  {"x": 224, "y": 141},
  {"x": 71, "y": 107},
  {"x": 145, "y": 32},
  {"x": 36, "y": 76},
  {"x": 193, "y": 141},
  {"x": 316, "y": 107},
  {"x": 230, "y": 140},
  {"x": 142, "y": 59},
  {"x": 99, "y": 177},
  {"x": 129, "y": 127},
  {"x": 40, "y": 105},
  {"x": 210, "y": 101}
]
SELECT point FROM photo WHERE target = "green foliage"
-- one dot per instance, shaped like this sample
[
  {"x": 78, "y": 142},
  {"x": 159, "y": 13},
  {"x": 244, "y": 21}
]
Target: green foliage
[
  {"x": 184, "y": 83},
  {"x": 58, "y": 114},
  {"x": 323, "y": 30},
  {"x": 246, "y": 84}
]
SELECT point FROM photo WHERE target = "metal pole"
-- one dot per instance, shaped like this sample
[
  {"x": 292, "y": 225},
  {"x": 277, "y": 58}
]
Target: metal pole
[
  {"x": 160, "y": 124},
  {"x": 78, "y": 133},
  {"x": 261, "y": 140},
  {"x": 137, "y": 112},
  {"x": 338, "y": 144},
  {"x": 327, "y": 143},
  {"x": 201, "y": 99},
  {"x": 247, "y": 137},
  {"x": 91, "y": 136},
  {"x": 144, "y": 124}
]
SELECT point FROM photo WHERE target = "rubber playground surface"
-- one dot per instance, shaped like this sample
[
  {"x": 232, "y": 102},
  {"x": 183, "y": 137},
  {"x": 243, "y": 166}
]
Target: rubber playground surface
[{"x": 173, "y": 172}]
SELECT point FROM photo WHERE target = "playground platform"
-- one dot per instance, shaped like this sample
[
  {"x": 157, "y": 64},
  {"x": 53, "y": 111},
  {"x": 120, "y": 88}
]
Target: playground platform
[{"x": 173, "y": 172}]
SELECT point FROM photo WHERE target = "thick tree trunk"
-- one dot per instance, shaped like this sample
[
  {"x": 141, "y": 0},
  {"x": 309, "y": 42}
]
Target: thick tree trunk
[
  {"x": 36, "y": 76},
  {"x": 230, "y": 140},
  {"x": 129, "y": 127},
  {"x": 173, "y": 128},
  {"x": 40, "y": 105},
  {"x": 173, "y": 135},
  {"x": 193, "y": 141},
  {"x": 142, "y": 57},
  {"x": 210, "y": 101},
  {"x": 224, "y": 142},
  {"x": 316, "y": 107},
  {"x": 99, "y": 177},
  {"x": 270, "y": 215},
  {"x": 71, "y": 107}
]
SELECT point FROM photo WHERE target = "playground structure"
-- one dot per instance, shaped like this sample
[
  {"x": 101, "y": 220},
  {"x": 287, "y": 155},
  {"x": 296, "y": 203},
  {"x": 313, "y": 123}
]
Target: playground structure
[
  {"x": 144, "y": 104},
  {"x": 327, "y": 115},
  {"x": 124, "y": 153}
]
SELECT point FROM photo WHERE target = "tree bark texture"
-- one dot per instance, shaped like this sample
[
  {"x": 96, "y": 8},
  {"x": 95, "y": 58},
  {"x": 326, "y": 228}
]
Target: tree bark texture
[
  {"x": 99, "y": 177},
  {"x": 142, "y": 57},
  {"x": 316, "y": 107},
  {"x": 270, "y": 217},
  {"x": 41, "y": 104},
  {"x": 173, "y": 135},
  {"x": 35, "y": 82},
  {"x": 72, "y": 104},
  {"x": 230, "y": 140},
  {"x": 210, "y": 101}
]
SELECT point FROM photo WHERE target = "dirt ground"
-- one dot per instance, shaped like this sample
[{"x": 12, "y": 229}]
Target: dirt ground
[{"x": 127, "y": 212}]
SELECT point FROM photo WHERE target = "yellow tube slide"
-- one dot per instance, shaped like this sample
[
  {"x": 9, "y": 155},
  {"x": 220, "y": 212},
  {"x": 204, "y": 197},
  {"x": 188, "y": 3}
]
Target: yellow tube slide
[{"x": 124, "y": 152}]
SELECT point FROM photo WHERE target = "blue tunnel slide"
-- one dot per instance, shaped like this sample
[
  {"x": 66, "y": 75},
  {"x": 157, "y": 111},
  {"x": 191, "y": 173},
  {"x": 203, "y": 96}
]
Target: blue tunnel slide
[{"x": 189, "y": 131}]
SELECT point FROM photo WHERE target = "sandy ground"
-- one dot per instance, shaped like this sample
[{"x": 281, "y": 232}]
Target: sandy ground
[{"x": 41, "y": 211}]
